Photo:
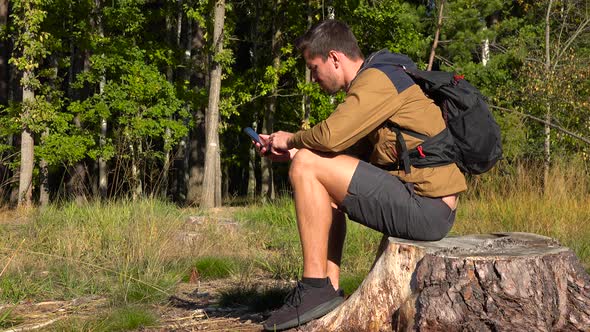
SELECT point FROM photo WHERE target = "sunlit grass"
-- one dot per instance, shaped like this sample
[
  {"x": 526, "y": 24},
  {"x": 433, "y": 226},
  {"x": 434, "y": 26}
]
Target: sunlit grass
[
  {"x": 136, "y": 253},
  {"x": 120, "y": 248},
  {"x": 517, "y": 202}
]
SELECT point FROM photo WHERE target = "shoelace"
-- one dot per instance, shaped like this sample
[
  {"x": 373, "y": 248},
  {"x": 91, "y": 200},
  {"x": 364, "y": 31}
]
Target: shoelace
[{"x": 294, "y": 297}]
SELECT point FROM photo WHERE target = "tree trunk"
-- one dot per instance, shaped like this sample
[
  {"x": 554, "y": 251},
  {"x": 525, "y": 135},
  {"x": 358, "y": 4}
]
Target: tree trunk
[
  {"x": 27, "y": 157},
  {"x": 210, "y": 188},
  {"x": 4, "y": 84},
  {"x": 102, "y": 164},
  {"x": 135, "y": 181},
  {"x": 3, "y": 55},
  {"x": 485, "y": 51},
  {"x": 79, "y": 63},
  {"x": 173, "y": 27},
  {"x": 25, "y": 185},
  {"x": 252, "y": 157},
  {"x": 179, "y": 175},
  {"x": 436, "y": 35},
  {"x": 268, "y": 189},
  {"x": 305, "y": 100},
  {"x": 194, "y": 161},
  {"x": 491, "y": 21},
  {"x": 103, "y": 182},
  {"x": 491, "y": 282},
  {"x": 547, "y": 128},
  {"x": 77, "y": 183},
  {"x": 43, "y": 176},
  {"x": 266, "y": 177}
]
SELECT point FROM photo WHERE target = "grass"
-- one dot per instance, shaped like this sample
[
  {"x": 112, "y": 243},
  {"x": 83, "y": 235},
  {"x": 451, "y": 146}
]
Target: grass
[
  {"x": 124, "y": 318},
  {"x": 136, "y": 253},
  {"x": 68, "y": 251},
  {"x": 8, "y": 319}
]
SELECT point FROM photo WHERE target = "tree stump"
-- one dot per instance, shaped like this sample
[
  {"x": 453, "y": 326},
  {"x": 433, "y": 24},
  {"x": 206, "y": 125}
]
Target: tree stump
[{"x": 492, "y": 282}]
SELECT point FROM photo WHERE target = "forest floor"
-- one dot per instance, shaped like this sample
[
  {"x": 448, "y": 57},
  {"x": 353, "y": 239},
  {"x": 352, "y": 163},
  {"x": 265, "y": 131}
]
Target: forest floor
[{"x": 193, "y": 306}]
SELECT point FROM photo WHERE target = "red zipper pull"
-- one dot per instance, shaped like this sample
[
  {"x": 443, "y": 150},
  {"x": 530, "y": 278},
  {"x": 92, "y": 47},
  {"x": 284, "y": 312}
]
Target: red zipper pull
[{"x": 420, "y": 151}]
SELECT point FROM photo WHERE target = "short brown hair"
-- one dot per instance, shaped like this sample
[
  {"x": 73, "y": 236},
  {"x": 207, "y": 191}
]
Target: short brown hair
[{"x": 329, "y": 35}]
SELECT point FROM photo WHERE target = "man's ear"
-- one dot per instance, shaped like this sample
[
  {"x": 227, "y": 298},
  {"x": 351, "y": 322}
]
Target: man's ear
[{"x": 335, "y": 56}]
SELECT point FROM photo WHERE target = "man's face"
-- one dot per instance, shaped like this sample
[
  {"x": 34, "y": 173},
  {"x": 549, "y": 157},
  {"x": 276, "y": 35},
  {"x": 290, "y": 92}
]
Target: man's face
[{"x": 323, "y": 72}]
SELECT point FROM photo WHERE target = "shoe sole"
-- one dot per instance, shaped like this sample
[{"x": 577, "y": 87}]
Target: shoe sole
[{"x": 308, "y": 316}]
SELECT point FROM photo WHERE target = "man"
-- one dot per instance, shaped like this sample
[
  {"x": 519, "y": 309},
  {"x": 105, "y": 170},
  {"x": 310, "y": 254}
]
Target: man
[{"x": 415, "y": 203}]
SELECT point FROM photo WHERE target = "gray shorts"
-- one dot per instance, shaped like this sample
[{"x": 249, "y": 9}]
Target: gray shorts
[{"x": 384, "y": 203}]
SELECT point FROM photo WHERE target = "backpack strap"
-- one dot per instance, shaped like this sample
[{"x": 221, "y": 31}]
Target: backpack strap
[
  {"x": 404, "y": 157},
  {"x": 405, "y": 154},
  {"x": 432, "y": 152}
]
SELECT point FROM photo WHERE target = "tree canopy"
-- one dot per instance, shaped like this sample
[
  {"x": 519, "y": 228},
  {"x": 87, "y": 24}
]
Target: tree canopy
[{"x": 124, "y": 85}]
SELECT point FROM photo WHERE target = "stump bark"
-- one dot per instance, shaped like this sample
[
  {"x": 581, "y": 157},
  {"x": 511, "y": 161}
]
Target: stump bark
[{"x": 492, "y": 282}]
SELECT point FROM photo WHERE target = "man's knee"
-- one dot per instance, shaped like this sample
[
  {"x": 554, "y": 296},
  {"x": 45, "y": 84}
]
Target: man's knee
[{"x": 303, "y": 163}]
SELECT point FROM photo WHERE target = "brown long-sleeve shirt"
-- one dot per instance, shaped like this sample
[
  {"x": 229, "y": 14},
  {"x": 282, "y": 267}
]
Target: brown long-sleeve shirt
[{"x": 375, "y": 96}]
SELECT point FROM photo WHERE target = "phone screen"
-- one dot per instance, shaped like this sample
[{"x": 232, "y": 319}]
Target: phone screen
[{"x": 253, "y": 135}]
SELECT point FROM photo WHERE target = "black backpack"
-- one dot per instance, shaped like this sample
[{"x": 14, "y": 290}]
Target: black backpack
[{"x": 472, "y": 138}]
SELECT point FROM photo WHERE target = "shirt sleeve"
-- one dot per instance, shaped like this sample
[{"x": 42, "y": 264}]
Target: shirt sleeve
[{"x": 370, "y": 101}]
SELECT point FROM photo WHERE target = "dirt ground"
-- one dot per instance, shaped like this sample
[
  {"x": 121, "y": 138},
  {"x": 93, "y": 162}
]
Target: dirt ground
[{"x": 194, "y": 307}]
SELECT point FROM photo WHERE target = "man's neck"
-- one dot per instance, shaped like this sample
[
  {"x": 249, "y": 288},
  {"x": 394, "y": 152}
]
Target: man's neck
[{"x": 351, "y": 70}]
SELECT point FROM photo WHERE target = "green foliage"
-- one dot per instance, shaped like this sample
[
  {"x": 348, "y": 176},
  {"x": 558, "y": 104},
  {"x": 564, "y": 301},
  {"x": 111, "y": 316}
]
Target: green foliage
[
  {"x": 27, "y": 18},
  {"x": 128, "y": 318},
  {"x": 126, "y": 64},
  {"x": 390, "y": 24},
  {"x": 215, "y": 267}
]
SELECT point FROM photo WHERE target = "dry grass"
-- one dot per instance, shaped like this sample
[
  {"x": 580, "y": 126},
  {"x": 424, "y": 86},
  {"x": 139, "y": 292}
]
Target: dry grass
[{"x": 517, "y": 202}]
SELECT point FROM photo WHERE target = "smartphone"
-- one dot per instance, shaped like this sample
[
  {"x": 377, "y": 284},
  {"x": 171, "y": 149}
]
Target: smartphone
[{"x": 253, "y": 135}]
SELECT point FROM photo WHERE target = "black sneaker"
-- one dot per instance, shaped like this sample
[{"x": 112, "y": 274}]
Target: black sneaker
[{"x": 303, "y": 304}]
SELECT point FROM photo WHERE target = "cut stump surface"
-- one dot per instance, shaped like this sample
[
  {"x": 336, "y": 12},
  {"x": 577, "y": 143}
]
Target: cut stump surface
[{"x": 491, "y": 282}]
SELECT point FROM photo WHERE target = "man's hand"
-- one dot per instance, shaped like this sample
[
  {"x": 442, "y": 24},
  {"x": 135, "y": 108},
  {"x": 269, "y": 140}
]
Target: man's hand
[
  {"x": 271, "y": 152},
  {"x": 279, "y": 140}
]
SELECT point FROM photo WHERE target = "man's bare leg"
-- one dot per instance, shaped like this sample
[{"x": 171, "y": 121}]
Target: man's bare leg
[
  {"x": 335, "y": 246},
  {"x": 319, "y": 180}
]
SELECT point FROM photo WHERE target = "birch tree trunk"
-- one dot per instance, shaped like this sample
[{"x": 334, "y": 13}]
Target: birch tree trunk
[
  {"x": 211, "y": 187},
  {"x": 547, "y": 128},
  {"x": 305, "y": 100},
  {"x": 102, "y": 164},
  {"x": 485, "y": 51}
]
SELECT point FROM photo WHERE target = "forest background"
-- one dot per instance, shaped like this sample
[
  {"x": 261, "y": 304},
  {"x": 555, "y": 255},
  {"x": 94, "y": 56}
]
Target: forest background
[
  {"x": 148, "y": 98},
  {"x": 123, "y": 121}
]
